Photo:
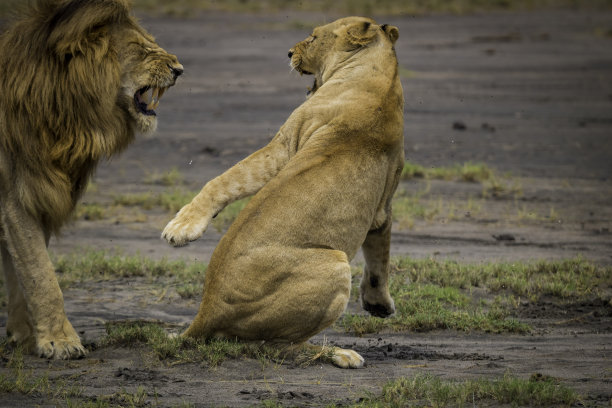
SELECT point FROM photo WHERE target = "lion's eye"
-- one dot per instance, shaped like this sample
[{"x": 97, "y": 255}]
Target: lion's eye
[{"x": 312, "y": 38}]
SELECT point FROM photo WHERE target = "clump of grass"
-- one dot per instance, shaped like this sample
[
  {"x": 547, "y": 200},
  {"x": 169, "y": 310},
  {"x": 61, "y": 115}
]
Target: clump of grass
[
  {"x": 412, "y": 170},
  {"x": 99, "y": 265},
  {"x": 431, "y": 294},
  {"x": 496, "y": 187},
  {"x": 430, "y": 307},
  {"x": 178, "y": 349},
  {"x": 172, "y": 177},
  {"x": 536, "y": 391},
  {"x": 127, "y": 334},
  {"x": 121, "y": 398},
  {"x": 171, "y": 201},
  {"x": 27, "y": 382},
  {"x": 90, "y": 211},
  {"x": 229, "y": 214},
  {"x": 468, "y": 172},
  {"x": 407, "y": 209},
  {"x": 574, "y": 278}
]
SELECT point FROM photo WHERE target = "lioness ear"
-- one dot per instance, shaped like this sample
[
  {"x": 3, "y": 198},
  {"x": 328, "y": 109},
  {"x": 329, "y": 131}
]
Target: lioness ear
[
  {"x": 391, "y": 31},
  {"x": 361, "y": 33}
]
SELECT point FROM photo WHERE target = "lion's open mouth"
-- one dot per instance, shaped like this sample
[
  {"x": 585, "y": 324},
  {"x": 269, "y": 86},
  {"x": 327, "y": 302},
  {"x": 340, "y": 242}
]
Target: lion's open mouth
[{"x": 147, "y": 99}]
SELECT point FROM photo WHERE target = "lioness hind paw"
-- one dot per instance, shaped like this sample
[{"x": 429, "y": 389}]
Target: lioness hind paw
[
  {"x": 61, "y": 349},
  {"x": 347, "y": 359}
]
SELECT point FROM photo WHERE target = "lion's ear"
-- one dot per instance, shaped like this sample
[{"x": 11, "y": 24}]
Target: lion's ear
[
  {"x": 391, "y": 31},
  {"x": 361, "y": 33},
  {"x": 77, "y": 25}
]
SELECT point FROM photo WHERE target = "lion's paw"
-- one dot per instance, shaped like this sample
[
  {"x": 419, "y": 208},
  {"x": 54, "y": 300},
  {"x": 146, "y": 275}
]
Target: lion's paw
[
  {"x": 61, "y": 349},
  {"x": 187, "y": 226},
  {"x": 344, "y": 358}
]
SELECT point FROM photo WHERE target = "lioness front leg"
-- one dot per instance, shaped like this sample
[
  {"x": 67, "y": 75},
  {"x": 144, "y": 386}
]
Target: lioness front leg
[
  {"x": 375, "y": 297},
  {"x": 242, "y": 180}
]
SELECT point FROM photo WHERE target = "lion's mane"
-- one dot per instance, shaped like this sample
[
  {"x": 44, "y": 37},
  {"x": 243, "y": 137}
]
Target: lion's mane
[{"x": 59, "y": 80}]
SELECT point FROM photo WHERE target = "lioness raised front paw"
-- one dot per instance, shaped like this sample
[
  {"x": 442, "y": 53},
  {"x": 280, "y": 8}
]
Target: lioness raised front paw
[
  {"x": 188, "y": 225},
  {"x": 61, "y": 349},
  {"x": 344, "y": 358}
]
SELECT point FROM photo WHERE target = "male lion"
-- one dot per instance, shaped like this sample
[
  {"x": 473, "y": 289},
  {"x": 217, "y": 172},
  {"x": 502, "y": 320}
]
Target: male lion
[
  {"x": 78, "y": 78},
  {"x": 324, "y": 186}
]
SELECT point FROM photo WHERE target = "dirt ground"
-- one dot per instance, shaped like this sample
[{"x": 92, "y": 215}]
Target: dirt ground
[{"x": 528, "y": 94}]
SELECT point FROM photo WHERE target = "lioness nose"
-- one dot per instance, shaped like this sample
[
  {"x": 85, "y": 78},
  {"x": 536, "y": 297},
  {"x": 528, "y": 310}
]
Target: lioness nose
[{"x": 290, "y": 53}]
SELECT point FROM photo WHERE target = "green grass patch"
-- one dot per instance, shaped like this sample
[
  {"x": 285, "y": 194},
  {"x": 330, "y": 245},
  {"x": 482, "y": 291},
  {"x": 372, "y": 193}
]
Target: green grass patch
[
  {"x": 468, "y": 172},
  {"x": 407, "y": 209},
  {"x": 172, "y": 200},
  {"x": 26, "y": 381},
  {"x": 227, "y": 216},
  {"x": 91, "y": 211},
  {"x": 172, "y": 177},
  {"x": 431, "y": 294},
  {"x": 433, "y": 391},
  {"x": 574, "y": 278},
  {"x": 87, "y": 265},
  {"x": 178, "y": 349},
  {"x": 430, "y": 307}
]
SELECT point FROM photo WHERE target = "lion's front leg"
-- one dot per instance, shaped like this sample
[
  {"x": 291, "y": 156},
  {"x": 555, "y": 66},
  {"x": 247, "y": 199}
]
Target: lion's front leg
[
  {"x": 18, "y": 326},
  {"x": 242, "y": 180},
  {"x": 375, "y": 297},
  {"x": 36, "y": 306}
]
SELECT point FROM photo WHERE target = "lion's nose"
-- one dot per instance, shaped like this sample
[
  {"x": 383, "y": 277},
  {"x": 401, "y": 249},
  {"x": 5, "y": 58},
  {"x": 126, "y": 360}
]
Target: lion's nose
[
  {"x": 290, "y": 53},
  {"x": 177, "y": 71}
]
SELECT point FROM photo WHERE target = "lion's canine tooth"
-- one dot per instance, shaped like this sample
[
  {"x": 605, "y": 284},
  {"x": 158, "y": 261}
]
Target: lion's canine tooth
[
  {"x": 154, "y": 94},
  {"x": 152, "y": 105},
  {"x": 161, "y": 92},
  {"x": 146, "y": 97}
]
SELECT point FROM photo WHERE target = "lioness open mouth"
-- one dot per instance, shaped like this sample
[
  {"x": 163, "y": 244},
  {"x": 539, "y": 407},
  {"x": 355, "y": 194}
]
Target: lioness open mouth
[{"x": 146, "y": 102}]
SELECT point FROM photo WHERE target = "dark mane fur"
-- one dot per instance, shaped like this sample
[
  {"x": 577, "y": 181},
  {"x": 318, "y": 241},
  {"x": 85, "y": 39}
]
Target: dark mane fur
[{"x": 58, "y": 101}]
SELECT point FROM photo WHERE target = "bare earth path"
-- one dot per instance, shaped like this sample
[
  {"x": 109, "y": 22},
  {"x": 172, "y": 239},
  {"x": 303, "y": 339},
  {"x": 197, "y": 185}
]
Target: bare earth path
[{"x": 529, "y": 94}]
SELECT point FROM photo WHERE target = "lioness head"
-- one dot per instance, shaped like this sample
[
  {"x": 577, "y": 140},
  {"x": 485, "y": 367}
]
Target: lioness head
[{"x": 331, "y": 44}]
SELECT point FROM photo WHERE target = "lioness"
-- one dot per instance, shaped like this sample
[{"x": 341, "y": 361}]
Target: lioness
[
  {"x": 78, "y": 78},
  {"x": 324, "y": 186}
]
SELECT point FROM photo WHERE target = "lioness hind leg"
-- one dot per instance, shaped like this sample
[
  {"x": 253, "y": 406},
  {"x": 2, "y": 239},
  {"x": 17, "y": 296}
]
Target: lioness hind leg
[
  {"x": 308, "y": 352},
  {"x": 311, "y": 299},
  {"x": 374, "y": 288},
  {"x": 346, "y": 358}
]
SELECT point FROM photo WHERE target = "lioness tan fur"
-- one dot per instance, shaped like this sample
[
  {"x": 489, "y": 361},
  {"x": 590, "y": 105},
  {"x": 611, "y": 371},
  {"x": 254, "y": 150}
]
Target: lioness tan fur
[
  {"x": 77, "y": 79},
  {"x": 324, "y": 186}
]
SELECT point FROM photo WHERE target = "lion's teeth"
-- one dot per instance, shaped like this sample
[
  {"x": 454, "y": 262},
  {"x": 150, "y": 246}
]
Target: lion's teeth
[
  {"x": 154, "y": 94},
  {"x": 146, "y": 97},
  {"x": 155, "y": 104},
  {"x": 161, "y": 92}
]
